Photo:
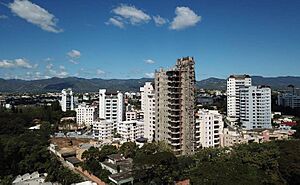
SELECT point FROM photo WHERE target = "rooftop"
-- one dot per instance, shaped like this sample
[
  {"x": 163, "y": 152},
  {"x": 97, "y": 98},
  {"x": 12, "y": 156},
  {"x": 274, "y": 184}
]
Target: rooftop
[
  {"x": 123, "y": 176},
  {"x": 73, "y": 160},
  {"x": 125, "y": 165},
  {"x": 117, "y": 157},
  {"x": 240, "y": 76}
]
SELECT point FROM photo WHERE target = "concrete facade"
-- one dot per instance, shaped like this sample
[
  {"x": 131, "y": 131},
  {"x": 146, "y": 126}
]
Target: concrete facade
[
  {"x": 148, "y": 107},
  {"x": 289, "y": 100},
  {"x": 234, "y": 83},
  {"x": 67, "y": 100},
  {"x": 85, "y": 115},
  {"x": 103, "y": 129},
  {"x": 209, "y": 128},
  {"x": 255, "y": 107},
  {"x": 131, "y": 115},
  {"x": 175, "y": 106},
  {"x": 130, "y": 130},
  {"x": 111, "y": 106}
]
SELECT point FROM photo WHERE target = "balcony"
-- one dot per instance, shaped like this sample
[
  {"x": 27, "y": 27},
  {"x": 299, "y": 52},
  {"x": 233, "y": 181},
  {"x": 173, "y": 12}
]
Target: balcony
[
  {"x": 175, "y": 144},
  {"x": 174, "y": 107},
  {"x": 174, "y": 125},
  {"x": 173, "y": 101},
  {"x": 173, "y": 116},
  {"x": 174, "y": 139}
]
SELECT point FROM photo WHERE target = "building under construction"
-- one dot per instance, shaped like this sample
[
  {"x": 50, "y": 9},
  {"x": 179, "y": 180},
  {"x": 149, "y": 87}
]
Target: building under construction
[{"x": 175, "y": 106}]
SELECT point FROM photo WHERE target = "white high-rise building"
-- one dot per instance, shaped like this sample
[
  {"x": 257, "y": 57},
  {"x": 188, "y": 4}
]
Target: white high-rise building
[
  {"x": 234, "y": 83},
  {"x": 289, "y": 100},
  {"x": 85, "y": 114},
  {"x": 209, "y": 128},
  {"x": 255, "y": 107},
  {"x": 131, "y": 115},
  {"x": 130, "y": 130},
  {"x": 103, "y": 129},
  {"x": 67, "y": 100},
  {"x": 148, "y": 107},
  {"x": 111, "y": 106}
]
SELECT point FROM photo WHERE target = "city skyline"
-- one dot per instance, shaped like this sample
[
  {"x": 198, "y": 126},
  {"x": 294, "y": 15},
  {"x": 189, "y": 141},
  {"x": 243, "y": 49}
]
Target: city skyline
[{"x": 130, "y": 39}]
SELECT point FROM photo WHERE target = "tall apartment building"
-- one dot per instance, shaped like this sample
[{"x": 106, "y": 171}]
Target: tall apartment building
[
  {"x": 130, "y": 130},
  {"x": 67, "y": 100},
  {"x": 255, "y": 107},
  {"x": 131, "y": 115},
  {"x": 209, "y": 128},
  {"x": 289, "y": 100},
  {"x": 103, "y": 129},
  {"x": 148, "y": 107},
  {"x": 85, "y": 114},
  {"x": 234, "y": 83},
  {"x": 175, "y": 106},
  {"x": 111, "y": 106}
]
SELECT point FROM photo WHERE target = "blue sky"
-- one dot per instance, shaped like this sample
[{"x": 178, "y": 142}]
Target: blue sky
[{"x": 130, "y": 39}]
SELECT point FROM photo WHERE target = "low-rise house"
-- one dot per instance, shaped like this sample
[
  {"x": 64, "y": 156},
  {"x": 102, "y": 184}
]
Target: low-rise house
[
  {"x": 31, "y": 179},
  {"x": 232, "y": 137},
  {"x": 116, "y": 163},
  {"x": 72, "y": 161},
  {"x": 120, "y": 168},
  {"x": 121, "y": 178}
]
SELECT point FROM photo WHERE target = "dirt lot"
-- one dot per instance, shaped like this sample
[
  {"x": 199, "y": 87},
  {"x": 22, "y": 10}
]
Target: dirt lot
[{"x": 66, "y": 142}]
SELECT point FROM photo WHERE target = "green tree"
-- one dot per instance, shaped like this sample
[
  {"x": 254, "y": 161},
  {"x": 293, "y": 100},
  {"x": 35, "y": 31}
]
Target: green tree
[
  {"x": 91, "y": 153},
  {"x": 128, "y": 149},
  {"x": 297, "y": 133},
  {"x": 289, "y": 161},
  {"x": 93, "y": 157},
  {"x": 155, "y": 168}
]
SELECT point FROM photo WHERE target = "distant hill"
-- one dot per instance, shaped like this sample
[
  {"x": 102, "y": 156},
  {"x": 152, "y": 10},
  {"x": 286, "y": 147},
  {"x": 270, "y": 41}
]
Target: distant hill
[
  {"x": 93, "y": 85},
  {"x": 77, "y": 84},
  {"x": 212, "y": 83}
]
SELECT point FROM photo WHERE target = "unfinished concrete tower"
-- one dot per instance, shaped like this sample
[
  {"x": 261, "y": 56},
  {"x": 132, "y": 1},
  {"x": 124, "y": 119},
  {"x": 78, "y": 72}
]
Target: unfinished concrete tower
[{"x": 175, "y": 106}]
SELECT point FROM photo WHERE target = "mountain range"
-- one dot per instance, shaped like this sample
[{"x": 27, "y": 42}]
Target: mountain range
[{"x": 92, "y": 85}]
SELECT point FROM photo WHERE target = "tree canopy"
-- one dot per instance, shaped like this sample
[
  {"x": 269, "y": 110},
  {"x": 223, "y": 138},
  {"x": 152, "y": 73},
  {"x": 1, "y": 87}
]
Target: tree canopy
[{"x": 25, "y": 151}]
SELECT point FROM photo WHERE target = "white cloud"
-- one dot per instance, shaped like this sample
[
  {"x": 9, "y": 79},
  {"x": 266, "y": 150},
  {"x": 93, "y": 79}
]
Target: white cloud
[
  {"x": 47, "y": 77},
  {"x": 115, "y": 22},
  {"x": 20, "y": 62},
  {"x": 73, "y": 61},
  {"x": 149, "y": 75},
  {"x": 128, "y": 15},
  {"x": 99, "y": 72},
  {"x": 149, "y": 61},
  {"x": 185, "y": 17},
  {"x": 6, "y": 64},
  {"x": 35, "y": 15},
  {"x": 62, "y": 74},
  {"x": 3, "y": 17},
  {"x": 74, "y": 54},
  {"x": 33, "y": 75},
  {"x": 159, "y": 21},
  {"x": 52, "y": 71},
  {"x": 49, "y": 66},
  {"x": 17, "y": 63},
  {"x": 48, "y": 59}
]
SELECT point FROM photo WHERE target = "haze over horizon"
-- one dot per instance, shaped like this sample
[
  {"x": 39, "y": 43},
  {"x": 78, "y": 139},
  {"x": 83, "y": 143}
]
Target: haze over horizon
[
  {"x": 130, "y": 39},
  {"x": 145, "y": 77}
]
